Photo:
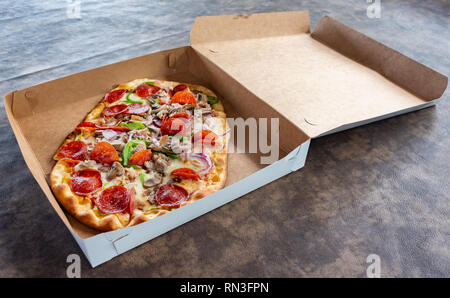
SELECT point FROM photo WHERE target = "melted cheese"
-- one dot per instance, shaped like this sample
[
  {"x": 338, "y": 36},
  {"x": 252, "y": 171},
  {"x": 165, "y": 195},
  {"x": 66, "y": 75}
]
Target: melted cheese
[
  {"x": 177, "y": 164},
  {"x": 189, "y": 185},
  {"x": 141, "y": 202}
]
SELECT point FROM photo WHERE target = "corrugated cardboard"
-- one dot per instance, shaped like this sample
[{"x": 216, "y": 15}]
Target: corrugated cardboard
[{"x": 262, "y": 66}]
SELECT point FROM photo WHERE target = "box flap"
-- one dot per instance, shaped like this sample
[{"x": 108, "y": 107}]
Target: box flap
[
  {"x": 246, "y": 26},
  {"x": 405, "y": 72},
  {"x": 322, "y": 81}
]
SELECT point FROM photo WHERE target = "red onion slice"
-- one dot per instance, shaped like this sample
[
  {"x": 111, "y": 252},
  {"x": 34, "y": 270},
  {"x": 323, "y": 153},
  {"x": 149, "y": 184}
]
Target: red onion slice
[
  {"x": 155, "y": 141},
  {"x": 153, "y": 127},
  {"x": 225, "y": 133},
  {"x": 201, "y": 161},
  {"x": 110, "y": 134},
  {"x": 157, "y": 123}
]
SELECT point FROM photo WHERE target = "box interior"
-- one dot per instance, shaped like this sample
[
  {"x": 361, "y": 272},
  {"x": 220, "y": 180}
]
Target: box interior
[{"x": 37, "y": 112}]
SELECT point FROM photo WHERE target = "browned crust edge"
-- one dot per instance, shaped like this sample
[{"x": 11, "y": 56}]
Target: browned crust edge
[{"x": 71, "y": 203}]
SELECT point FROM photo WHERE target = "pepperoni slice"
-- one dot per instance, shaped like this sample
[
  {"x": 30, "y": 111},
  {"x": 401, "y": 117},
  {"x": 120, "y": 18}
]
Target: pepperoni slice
[
  {"x": 206, "y": 137},
  {"x": 131, "y": 204},
  {"x": 86, "y": 127},
  {"x": 114, "y": 199},
  {"x": 185, "y": 173},
  {"x": 70, "y": 162},
  {"x": 137, "y": 109},
  {"x": 183, "y": 97},
  {"x": 87, "y": 124},
  {"x": 116, "y": 128},
  {"x": 157, "y": 123},
  {"x": 179, "y": 87},
  {"x": 115, "y": 110},
  {"x": 139, "y": 158},
  {"x": 171, "y": 195},
  {"x": 146, "y": 90},
  {"x": 74, "y": 150},
  {"x": 114, "y": 96},
  {"x": 85, "y": 182},
  {"x": 104, "y": 153},
  {"x": 185, "y": 117},
  {"x": 173, "y": 126},
  {"x": 181, "y": 115}
]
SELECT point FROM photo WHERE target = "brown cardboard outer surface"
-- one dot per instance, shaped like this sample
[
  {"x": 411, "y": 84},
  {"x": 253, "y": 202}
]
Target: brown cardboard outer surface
[{"x": 260, "y": 70}]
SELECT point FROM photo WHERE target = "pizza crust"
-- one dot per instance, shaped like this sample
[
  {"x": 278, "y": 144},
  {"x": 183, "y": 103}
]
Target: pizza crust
[
  {"x": 79, "y": 207},
  {"x": 83, "y": 209}
]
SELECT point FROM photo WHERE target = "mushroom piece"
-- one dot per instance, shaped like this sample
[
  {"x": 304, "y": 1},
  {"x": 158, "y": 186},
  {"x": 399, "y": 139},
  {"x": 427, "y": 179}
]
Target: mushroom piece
[
  {"x": 88, "y": 164},
  {"x": 131, "y": 173},
  {"x": 118, "y": 145},
  {"x": 140, "y": 146},
  {"x": 161, "y": 162},
  {"x": 202, "y": 101},
  {"x": 164, "y": 140},
  {"x": 116, "y": 170},
  {"x": 152, "y": 181},
  {"x": 137, "y": 118},
  {"x": 150, "y": 195},
  {"x": 149, "y": 165},
  {"x": 206, "y": 110}
]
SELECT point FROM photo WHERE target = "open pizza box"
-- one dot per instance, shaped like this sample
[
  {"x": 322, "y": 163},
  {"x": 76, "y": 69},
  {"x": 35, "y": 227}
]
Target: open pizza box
[{"x": 262, "y": 66}]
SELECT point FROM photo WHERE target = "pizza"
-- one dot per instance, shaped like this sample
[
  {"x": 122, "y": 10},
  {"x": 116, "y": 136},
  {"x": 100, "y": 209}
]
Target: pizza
[{"x": 147, "y": 148}]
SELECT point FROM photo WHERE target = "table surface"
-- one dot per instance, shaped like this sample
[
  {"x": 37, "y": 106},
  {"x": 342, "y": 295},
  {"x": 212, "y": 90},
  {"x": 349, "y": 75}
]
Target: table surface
[{"x": 382, "y": 188}]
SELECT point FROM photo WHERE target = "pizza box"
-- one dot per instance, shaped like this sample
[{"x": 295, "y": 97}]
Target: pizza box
[{"x": 263, "y": 66}]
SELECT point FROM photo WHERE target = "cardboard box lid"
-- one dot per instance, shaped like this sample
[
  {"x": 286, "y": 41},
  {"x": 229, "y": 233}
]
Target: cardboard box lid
[{"x": 319, "y": 81}]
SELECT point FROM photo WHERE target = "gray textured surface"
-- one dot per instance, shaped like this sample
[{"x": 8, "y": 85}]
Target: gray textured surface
[{"x": 382, "y": 188}]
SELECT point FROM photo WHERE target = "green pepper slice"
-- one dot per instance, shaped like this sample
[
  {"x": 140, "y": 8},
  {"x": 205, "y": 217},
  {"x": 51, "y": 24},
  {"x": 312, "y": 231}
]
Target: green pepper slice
[
  {"x": 133, "y": 125},
  {"x": 133, "y": 166},
  {"x": 128, "y": 152},
  {"x": 129, "y": 100},
  {"x": 171, "y": 155},
  {"x": 212, "y": 100},
  {"x": 142, "y": 177}
]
